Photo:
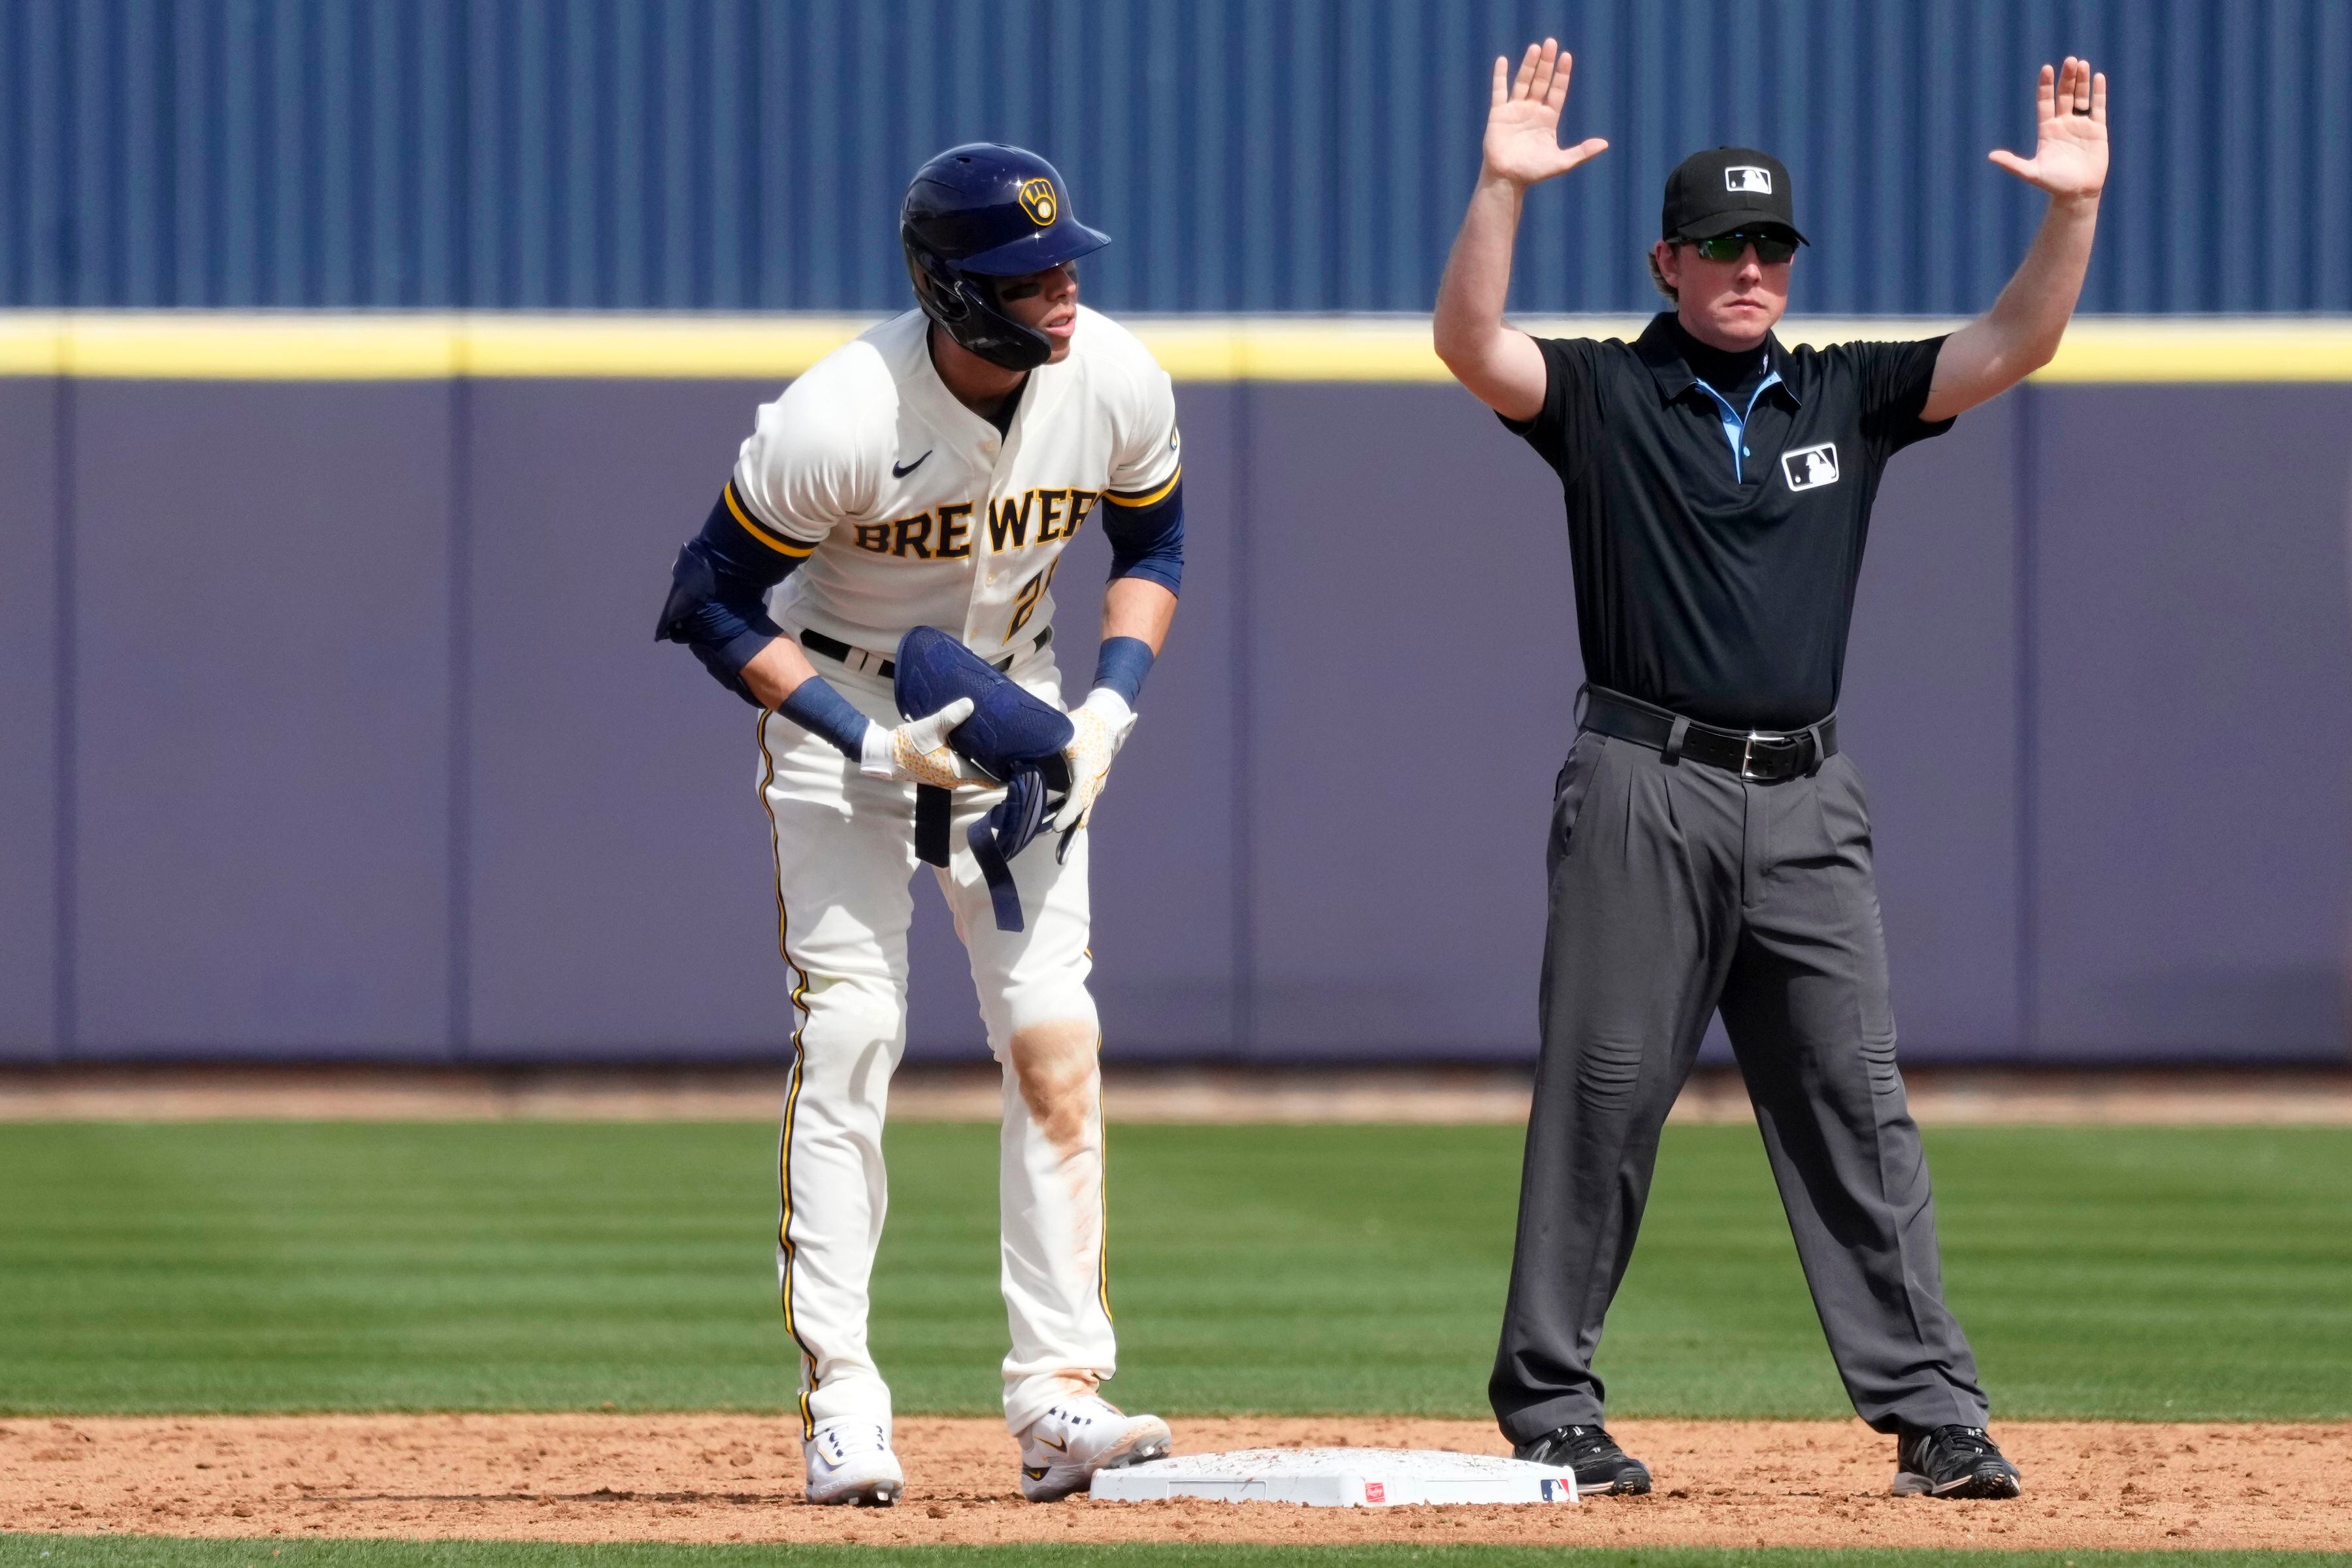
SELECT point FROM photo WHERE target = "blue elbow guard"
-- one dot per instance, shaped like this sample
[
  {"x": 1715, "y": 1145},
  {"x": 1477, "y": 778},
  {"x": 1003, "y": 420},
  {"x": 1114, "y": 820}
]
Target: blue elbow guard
[
  {"x": 1147, "y": 534},
  {"x": 717, "y": 598}
]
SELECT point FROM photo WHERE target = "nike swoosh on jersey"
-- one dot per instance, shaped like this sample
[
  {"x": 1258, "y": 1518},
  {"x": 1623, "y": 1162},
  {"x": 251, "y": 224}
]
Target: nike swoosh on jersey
[{"x": 900, "y": 470}]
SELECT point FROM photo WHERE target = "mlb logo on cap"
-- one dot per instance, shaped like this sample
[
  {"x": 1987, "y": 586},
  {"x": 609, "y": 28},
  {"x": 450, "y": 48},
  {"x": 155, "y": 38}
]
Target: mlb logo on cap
[{"x": 1723, "y": 189}]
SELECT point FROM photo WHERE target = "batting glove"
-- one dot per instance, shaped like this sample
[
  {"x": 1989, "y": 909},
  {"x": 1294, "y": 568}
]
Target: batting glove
[
  {"x": 918, "y": 752},
  {"x": 1100, "y": 727}
]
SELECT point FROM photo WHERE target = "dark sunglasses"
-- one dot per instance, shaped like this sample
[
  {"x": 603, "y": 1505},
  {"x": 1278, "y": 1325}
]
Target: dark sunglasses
[{"x": 1770, "y": 249}]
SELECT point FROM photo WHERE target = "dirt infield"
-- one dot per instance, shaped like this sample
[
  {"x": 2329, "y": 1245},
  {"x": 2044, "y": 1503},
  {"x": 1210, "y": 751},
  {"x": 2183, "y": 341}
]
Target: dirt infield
[
  {"x": 737, "y": 1477},
  {"x": 1938, "y": 1096}
]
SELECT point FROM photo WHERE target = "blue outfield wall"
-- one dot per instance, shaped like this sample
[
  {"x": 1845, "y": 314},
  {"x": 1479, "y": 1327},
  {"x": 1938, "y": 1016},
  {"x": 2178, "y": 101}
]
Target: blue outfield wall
[
  {"x": 338, "y": 729},
  {"x": 1249, "y": 155}
]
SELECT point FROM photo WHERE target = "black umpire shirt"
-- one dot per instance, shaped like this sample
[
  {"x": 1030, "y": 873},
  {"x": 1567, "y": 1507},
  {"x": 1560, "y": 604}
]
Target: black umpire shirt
[{"x": 1717, "y": 534}]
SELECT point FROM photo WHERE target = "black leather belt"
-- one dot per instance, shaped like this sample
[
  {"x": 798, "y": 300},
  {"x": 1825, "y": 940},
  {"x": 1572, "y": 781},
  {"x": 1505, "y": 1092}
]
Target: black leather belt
[
  {"x": 841, "y": 652},
  {"x": 1764, "y": 757}
]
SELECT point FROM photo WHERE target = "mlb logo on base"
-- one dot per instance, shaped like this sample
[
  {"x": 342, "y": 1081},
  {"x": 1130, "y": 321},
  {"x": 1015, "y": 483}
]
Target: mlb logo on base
[
  {"x": 1747, "y": 177},
  {"x": 1810, "y": 468}
]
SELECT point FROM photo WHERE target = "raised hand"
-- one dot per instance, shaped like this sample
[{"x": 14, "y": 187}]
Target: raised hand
[
  {"x": 2070, "y": 153},
  {"x": 1522, "y": 142}
]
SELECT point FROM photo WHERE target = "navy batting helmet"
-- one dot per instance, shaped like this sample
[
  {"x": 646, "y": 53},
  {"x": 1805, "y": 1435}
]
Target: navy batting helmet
[{"x": 984, "y": 211}]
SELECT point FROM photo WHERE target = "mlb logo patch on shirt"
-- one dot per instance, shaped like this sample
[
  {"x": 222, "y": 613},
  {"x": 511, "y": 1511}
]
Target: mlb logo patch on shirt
[{"x": 1810, "y": 468}]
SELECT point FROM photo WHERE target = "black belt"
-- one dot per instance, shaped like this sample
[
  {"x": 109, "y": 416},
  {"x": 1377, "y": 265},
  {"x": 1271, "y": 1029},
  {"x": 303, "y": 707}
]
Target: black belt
[
  {"x": 842, "y": 653},
  {"x": 1765, "y": 757}
]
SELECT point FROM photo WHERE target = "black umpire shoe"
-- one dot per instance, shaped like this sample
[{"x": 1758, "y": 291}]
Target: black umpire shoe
[
  {"x": 1600, "y": 1466},
  {"x": 1953, "y": 1461}
]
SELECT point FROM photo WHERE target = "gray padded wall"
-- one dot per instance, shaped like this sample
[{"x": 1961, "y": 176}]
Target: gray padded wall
[
  {"x": 261, "y": 718},
  {"x": 374, "y": 756},
  {"x": 615, "y": 851},
  {"x": 1931, "y": 714},
  {"x": 1412, "y": 658},
  {"x": 32, "y": 827},
  {"x": 2192, "y": 744}
]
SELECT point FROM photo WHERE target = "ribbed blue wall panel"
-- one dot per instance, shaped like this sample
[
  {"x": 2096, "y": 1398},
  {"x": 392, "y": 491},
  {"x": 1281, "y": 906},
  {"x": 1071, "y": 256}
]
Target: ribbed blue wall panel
[{"x": 1248, "y": 154}]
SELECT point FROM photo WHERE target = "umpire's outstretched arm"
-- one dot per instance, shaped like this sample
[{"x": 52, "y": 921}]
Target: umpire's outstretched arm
[
  {"x": 1501, "y": 365},
  {"x": 2020, "y": 334}
]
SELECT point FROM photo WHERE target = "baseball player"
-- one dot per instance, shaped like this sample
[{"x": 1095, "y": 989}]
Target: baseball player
[
  {"x": 1710, "y": 845},
  {"x": 930, "y": 474}
]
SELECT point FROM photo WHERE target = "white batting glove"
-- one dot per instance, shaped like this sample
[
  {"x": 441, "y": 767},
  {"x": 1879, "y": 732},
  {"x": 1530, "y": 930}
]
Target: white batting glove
[
  {"x": 1101, "y": 724},
  {"x": 918, "y": 750}
]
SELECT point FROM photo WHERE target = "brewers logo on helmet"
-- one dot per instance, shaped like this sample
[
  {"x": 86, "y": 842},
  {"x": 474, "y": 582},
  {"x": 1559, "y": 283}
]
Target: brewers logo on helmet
[{"x": 980, "y": 212}]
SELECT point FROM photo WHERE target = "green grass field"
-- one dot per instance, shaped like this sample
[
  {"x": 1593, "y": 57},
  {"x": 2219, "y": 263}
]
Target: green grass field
[
  {"x": 275, "y": 1267},
  {"x": 2131, "y": 1273}
]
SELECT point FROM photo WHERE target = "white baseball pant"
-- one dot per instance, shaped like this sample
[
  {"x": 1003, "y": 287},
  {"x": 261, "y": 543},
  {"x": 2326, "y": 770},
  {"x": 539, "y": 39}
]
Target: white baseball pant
[{"x": 844, "y": 859}]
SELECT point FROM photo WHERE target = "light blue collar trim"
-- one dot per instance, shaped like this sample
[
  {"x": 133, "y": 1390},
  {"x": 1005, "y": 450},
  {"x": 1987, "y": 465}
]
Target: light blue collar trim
[{"x": 1735, "y": 423}]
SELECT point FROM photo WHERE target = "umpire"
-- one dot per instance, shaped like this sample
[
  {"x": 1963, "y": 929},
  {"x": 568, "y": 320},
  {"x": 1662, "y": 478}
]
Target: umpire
[{"x": 1710, "y": 847}]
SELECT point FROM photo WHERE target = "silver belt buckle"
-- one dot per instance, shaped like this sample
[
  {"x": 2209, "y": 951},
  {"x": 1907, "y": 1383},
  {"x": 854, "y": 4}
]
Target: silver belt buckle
[{"x": 1748, "y": 753}]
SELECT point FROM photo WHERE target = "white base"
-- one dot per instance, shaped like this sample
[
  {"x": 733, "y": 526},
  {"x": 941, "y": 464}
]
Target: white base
[{"x": 1338, "y": 1478}]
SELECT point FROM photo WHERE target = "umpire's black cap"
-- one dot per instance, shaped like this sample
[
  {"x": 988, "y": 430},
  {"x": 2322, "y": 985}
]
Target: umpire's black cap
[{"x": 1726, "y": 188}]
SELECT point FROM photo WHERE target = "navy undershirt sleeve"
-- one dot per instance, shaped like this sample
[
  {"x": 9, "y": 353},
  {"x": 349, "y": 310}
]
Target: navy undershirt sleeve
[{"x": 1146, "y": 537}]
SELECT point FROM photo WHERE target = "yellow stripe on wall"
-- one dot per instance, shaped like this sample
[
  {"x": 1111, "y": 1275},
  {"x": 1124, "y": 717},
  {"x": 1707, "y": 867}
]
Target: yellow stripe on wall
[
  {"x": 2272, "y": 349},
  {"x": 209, "y": 346},
  {"x": 702, "y": 348},
  {"x": 197, "y": 345}
]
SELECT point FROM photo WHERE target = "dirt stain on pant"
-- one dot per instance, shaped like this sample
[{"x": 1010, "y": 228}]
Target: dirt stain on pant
[{"x": 1058, "y": 1070}]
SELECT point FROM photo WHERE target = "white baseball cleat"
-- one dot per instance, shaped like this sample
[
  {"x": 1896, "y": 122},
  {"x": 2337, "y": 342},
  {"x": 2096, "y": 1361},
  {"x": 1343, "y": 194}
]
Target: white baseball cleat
[
  {"x": 1062, "y": 1449},
  {"x": 850, "y": 1461}
]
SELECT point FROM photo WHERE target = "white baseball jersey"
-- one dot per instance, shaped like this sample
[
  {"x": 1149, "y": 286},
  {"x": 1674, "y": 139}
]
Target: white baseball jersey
[{"x": 913, "y": 510}]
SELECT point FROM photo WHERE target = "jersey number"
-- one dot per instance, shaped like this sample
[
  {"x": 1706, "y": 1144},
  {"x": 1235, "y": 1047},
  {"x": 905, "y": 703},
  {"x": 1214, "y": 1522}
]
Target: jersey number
[{"x": 1024, "y": 602}]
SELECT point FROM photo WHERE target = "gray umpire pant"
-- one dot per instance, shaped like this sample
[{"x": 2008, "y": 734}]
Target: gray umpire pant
[{"x": 1677, "y": 889}]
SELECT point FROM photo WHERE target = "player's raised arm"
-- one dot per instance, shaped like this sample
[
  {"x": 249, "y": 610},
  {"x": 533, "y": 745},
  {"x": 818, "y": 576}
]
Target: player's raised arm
[
  {"x": 2020, "y": 334},
  {"x": 1501, "y": 365}
]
